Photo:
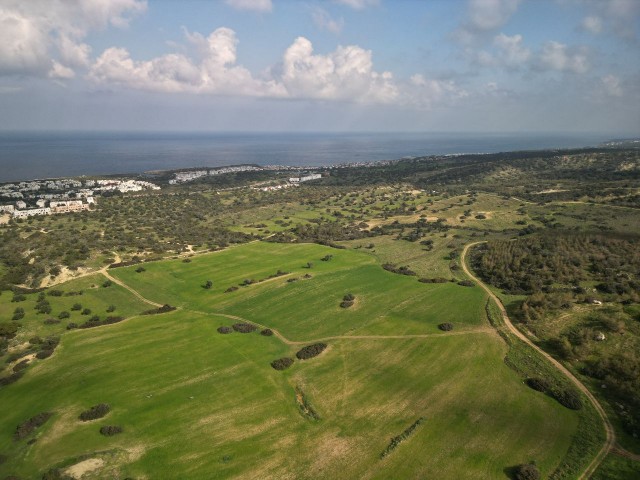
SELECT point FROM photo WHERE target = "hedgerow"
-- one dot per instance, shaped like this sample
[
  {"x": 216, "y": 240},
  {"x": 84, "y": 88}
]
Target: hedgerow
[{"x": 244, "y": 327}]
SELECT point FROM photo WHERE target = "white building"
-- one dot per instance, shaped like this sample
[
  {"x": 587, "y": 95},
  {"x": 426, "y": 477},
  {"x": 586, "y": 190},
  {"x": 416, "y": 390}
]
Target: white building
[
  {"x": 31, "y": 212},
  {"x": 7, "y": 208},
  {"x": 20, "y": 205},
  {"x": 41, "y": 203}
]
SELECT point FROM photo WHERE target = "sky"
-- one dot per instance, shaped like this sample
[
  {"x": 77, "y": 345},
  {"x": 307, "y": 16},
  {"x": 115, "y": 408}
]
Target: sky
[{"x": 312, "y": 65}]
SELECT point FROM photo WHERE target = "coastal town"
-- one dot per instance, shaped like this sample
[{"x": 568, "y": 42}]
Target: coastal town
[{"x": 50, "y": 197}]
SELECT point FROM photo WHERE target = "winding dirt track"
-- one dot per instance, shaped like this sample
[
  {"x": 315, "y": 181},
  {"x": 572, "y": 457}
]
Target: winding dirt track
[{"x": 611, "y": 436}]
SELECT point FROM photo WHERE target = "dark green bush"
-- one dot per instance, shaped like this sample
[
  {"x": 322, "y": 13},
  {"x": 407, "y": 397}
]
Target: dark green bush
[
  {"x": 527, "y": 471},
  {"x": 311, "y": 351},
  {"x": 225, "y": 330},
  {"x": 27, "y": 427},
  {"x": 267, "y": 332},
  {"x": 282, "y": 363},
  {"x": 110, "y": 430},
  {"x": 95, "y": 412},
  {"x": 446, "y": 327},
  {"x": 244, "y": 327},
  {"x": 539, "y": 384}
]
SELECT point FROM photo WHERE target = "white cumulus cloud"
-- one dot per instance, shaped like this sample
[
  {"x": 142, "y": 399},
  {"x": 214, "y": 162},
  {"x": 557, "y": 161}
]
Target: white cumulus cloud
[
  {"x": 324, "y": 21},
  {"x": 46, "y": 37},
  {"x": 345, "y": 74},
  {"x": 511, "y": 51},
  {"x": 216, "y": 71},
  {"x": 484, "y": 16}
]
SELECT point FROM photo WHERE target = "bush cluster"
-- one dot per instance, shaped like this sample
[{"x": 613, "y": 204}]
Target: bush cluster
[
  {"x": 282, "y": 363},
  {"x": 433, "y": 280},
  {"x": 27, "y": 427},
  {"x": 224, "y": 330},
  {"x": 347, "y": 300},
  {"x": 110, "y": 430},
  {"x": 466, "y": 283},
  {"x": 311, "y": 351},
  {"x": 244, "y": 327},
  {"x": 404, "y": 270},
  {"x": 163, "y": 309},
  {"x": 267, "y": 332},
  {"x": 96, "y": 322},
  {"x": 21, "y": 365},
  {"x": 539, "y": 384},
  {"x": 446, "y": 327},
  {"x": 51, "y": 321},
  {"x": 95, "y": 412}
]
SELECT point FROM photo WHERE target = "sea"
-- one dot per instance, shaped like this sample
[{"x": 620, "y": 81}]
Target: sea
[{"x": 29, "y": 156}]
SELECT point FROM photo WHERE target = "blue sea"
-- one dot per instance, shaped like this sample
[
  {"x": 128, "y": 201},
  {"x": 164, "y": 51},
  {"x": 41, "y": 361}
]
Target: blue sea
[{"x": 27, "y": 156}]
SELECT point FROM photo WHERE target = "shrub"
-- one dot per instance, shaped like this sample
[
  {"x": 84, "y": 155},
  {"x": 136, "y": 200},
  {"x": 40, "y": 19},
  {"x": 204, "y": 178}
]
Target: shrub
[
  {"x": 163, "y": 309},
  {"x": 72, "y": 325},
  {"x": 267, "y": 332},
  {"x": 97, "y": 411},
  {"x": 311, "y": 351},
  {"x": 140, "y": 269},
  {"x": 433, "y": 280},
  {"x": 18, "y": 314},
  {"x": 35, "y": 340},
  {"x": 569, "y": 398},
  {"x": 291, "y": 280},
  {"x": 75, "y": 307},
  {"x": 42, "y": 354},
  {"x": 466, "y": 283},
  {"x": 27, "y": 427},
  {"x": 527, "y": 471},
  {"x": 327, "y": 258},
  {"x": 480, "y": 216},
  {"x": 111, "y": 308},
  {"x": 21, "y": 365},
  {"x": 346, "y": 304},
  {"x": 404, "y": 270},
  {"x": 8, "y": 330},
  {"x": 348, "y": 297},
  {"x": 446, "y": 327},
  {"x": 307, "y": 275},
  {"x": 282, "y": 363},
  {"x": 63, "y": 315},
  {"x": 224, "y": 330},
  {"x": 51, "y": 321},
  {"x": 107, "y": 284},
  {"x": 208, "y": 284},
  {"x": 14, "y": 377},
  {"x": 86, "y": 311},
  {"x": 55, "y": 293},
  {"x": 110, "y": 430},
  {"x": 231, "y": 289},
  {"x": 96, "y": 322},
  {"x": 244, "y": 327},
  {"x": 539, "y": 384},
  {"x": 18, "y": 297}
]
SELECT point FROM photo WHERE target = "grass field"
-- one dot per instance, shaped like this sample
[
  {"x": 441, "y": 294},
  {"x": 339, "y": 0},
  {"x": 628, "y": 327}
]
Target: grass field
[{"x": 205, "y": 405}]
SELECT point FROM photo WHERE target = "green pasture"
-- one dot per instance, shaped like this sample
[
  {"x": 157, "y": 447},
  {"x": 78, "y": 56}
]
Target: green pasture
[
  {"x": 197, "y": 404},
  {"x": 386, "y": 303}
]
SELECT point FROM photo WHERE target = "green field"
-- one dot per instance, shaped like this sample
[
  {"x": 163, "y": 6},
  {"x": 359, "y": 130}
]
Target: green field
[{"x": 196, "y": 404}]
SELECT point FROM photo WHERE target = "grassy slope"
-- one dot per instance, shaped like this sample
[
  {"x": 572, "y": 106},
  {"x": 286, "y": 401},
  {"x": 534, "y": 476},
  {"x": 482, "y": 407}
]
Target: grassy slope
[{"x": 243, "y": 420}]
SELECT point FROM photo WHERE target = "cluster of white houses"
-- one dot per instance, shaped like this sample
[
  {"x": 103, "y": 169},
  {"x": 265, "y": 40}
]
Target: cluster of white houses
[
  {"x": 182, "y": 177},
  {"x": 21, "y": 211},
  {"x": 306, "y": 178}
]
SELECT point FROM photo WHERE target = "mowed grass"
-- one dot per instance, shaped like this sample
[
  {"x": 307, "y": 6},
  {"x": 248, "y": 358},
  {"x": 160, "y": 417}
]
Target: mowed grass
[
  {"x": 386, "y": 303},
  {"x": 196, "y": 404}
]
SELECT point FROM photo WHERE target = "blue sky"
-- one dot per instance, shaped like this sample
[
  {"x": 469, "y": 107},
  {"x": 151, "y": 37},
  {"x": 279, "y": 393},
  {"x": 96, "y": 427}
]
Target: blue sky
[{"x": 334, "y": 65}]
